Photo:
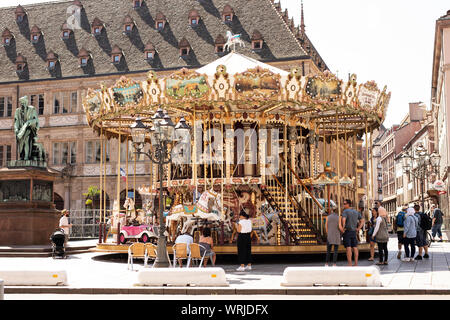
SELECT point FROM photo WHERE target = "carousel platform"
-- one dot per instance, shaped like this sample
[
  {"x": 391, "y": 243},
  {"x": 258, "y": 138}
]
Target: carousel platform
[{"x": 232, "y": 248}]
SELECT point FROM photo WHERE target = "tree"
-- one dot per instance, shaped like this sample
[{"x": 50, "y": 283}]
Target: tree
[{"x": 91, "y": 194}]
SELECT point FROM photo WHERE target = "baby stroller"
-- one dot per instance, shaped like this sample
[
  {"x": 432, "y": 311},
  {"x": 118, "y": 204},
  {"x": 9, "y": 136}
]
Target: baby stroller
[{"x": 57, "y": 238}]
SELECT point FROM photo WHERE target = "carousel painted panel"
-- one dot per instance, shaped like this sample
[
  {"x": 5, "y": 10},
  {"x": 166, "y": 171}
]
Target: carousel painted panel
[
  {"x": 186, "y": 85},
  {"x": 222, "y": 84},
  {"x": 127, "y": 93},
  {"x": 257, "y": 84},
  {"x": 368, "y": 95},
  {"x": 92, "y": 104},
  {"x": 323, "y": 89}
]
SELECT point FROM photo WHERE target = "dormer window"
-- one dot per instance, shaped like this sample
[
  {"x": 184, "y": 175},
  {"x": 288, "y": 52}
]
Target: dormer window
[
  {"x": 97, "y": 27},
  {"x": 137, "y": 3},
  {"x": 116, "y": 55},
  {"x": 65, "y": 32},
  {"x": 84, "y": 57},
  {"x": 20, "y": 13},
  {"x": 21, "y": 63},
  {"x": 257, "y": 40},
  {"x": 184, "y": 47},
  {"x": 52, "y": 60},
  {"x": 128, "y": 25},
  {"x": 160, "y": 21},
  {"x": 227, "y": 14},
  {"x": 219, "y": 44},
  {"x": 7, "y": 37},
  {"x": 194, "y": 17},
  {"x": 149, "y": 51},
  {"x": 35, "y": 34}
]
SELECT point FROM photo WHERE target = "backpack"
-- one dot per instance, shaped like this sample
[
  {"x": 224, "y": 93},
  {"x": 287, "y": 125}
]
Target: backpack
[
  {"x": 400, "y": 221},
  {"x": 425, "y": 221}
]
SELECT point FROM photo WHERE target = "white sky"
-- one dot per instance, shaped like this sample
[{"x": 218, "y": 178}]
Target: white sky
[{"x": 389, "y": 41}]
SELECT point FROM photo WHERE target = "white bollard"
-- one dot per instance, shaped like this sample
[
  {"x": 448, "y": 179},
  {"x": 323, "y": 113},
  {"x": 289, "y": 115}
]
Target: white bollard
[
  {"x": 331, "y": 276},
  {"x": 181, "y": 277},
  {"x": 33, "y": 277}
]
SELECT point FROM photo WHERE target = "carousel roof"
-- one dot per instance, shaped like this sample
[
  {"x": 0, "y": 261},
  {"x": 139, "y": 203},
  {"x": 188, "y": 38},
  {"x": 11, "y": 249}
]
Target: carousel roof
[
  {"x": 236, "y": 63},
  {"x": 238, "y": 88}
]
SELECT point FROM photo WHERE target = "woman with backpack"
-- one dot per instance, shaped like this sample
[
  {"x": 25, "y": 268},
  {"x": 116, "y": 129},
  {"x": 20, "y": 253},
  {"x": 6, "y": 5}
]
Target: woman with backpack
[
  {"x": 382, "y": 236},
  {"x": 409, "y": 234},
  {"x": 398, "y": 228}
]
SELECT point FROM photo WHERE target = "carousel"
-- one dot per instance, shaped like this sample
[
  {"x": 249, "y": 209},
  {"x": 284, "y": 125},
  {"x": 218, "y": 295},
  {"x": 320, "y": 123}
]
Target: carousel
[{"x": 277, "y": 144}]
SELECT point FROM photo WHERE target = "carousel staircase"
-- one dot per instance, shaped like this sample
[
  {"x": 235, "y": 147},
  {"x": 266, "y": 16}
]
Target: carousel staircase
[{"x": 301, "y": 230}]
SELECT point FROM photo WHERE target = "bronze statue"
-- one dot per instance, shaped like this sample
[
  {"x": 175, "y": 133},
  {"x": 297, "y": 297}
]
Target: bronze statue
[{"x": 26, "y": 126}]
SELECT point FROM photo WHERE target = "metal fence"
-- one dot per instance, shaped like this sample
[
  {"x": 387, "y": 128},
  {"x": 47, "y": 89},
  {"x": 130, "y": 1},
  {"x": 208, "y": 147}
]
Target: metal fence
[{"x": 84, "y": 223}]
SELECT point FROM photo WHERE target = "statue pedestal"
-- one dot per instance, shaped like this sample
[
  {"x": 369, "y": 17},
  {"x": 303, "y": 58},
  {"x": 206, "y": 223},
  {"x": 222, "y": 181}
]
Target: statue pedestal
[{"x": 27, "y": 213}]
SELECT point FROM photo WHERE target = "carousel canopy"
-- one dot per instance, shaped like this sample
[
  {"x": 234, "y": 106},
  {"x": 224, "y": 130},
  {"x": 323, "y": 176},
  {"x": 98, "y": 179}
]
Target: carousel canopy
[
  {"x": 235, "y": 63},
  {"x": 238, "y": 88}
]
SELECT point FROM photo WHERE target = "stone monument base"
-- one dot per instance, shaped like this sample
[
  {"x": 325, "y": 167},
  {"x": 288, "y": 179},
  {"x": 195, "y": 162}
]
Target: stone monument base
[{"x": 27, "y": 213}]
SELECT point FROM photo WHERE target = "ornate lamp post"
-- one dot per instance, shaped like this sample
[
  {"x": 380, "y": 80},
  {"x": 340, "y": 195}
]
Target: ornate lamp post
[
  {"x": 420, "y": 164},
  {"x": 161, "y": 135}
]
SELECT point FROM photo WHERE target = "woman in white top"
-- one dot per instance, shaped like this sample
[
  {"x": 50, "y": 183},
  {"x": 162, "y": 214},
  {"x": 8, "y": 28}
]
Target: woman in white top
[{"x": 244, "y": 243}]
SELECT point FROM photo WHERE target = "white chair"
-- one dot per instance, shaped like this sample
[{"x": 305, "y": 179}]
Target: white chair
[
  {"x": 179, "y": 252},
  {"x": 150, "y": 253},
  {"x": 195, "y": 254},
  {"x": 136, "y": 250}
]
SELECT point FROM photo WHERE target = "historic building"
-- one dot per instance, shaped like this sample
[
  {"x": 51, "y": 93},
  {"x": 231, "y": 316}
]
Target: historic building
[
  {"x": 440, "y": 100},
  {"x": 54, "y": 52}
]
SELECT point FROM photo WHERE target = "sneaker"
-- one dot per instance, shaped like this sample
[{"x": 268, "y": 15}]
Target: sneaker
[
  {"x": 248, "y": 268},
  {"x": 406, "y": 259},
  {"x": 426, "y": 256},
  {"x": 412, "y": 259},
  {"x": 418, "y": 258},
  {"x": 240, "y": 269}
]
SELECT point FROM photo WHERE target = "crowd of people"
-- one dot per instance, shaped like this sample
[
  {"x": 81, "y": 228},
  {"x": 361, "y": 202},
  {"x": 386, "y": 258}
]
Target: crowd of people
[{"x": 411, "y": 226}]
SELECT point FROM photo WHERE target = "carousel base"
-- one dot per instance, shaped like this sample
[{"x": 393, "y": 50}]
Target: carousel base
[{"x": 232, "y": 248}]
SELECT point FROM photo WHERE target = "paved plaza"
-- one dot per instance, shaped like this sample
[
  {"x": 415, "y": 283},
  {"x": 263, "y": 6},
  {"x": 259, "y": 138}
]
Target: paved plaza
[{"x": 100, "y": 274}]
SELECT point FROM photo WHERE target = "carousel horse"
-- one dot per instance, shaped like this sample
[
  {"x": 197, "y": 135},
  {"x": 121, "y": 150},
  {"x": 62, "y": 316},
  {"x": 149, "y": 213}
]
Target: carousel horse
[
  {"x": 130, "y": 210},
  {"x": 202, "y": 209},
  {"x": 232, "y": 40},
  {"x": 261, "y": 224}
]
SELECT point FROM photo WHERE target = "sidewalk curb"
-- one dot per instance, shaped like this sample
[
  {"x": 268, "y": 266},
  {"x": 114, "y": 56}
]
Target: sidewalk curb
[{"x": 225, "y": 291}]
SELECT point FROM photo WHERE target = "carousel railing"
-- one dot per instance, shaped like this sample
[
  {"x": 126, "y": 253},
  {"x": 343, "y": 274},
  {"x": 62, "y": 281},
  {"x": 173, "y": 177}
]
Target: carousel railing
[{"x": 314, "y": 210}]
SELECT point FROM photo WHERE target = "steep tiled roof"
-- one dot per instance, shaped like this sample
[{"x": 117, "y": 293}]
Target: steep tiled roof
[{"x": 279, "y": 42}]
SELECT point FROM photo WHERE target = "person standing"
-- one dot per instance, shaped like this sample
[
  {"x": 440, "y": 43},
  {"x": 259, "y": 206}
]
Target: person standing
[
  {"x": 382, "y": 236},
  {"x": 398, "y": 228},
  {"x": 371, "y": 238},
  {"x": 244, "y": 243},
  {"x": 350, "y": 227},
  {"x": 65, "y": 225},
  {"x": 421, "y": 239},
  {"x": 333, "y": 236},
  {"x": 437, "y": 222},
  {"x": 410, "y": 234}
]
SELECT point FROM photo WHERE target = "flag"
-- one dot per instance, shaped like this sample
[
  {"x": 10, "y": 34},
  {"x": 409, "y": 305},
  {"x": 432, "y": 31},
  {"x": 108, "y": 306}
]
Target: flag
[{"x": 123, "y": 174}]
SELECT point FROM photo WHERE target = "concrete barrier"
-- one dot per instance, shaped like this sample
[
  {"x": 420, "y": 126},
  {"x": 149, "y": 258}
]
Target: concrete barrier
[
  {"x": 2, "y": 290},
  {"x": 331, "y": 276},
  {"x": 34, "y": 277},
  {"x": 201, "y": 277}
]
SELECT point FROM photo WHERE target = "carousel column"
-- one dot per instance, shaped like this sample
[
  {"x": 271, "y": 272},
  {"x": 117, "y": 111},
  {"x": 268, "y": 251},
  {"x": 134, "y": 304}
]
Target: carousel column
[
  {"x": 229, "y": 139},
  {"x": 262, "y": 152},
  {"x": 248, "y": 165}
]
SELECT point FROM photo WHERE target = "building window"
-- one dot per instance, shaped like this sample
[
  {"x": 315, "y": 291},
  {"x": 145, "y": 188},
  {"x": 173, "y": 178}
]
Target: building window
[
  {"x": 93, "y": 151},
  {"x": 160, "y": 25},
  {"x": 149, "y": 55},
  {"x": 5, "y": 107},
  {"x": 37, "y": 100},
  {"x": 227, "y": 14},
  {"x": 7, "y": 37},
  {"x": 160, "y": 21},
  {"x": 116, "y": 58},
  {"x": 64, "y": 153},
  {"x": 194, "y": 17},
  {"x": 65, "y": 102}
]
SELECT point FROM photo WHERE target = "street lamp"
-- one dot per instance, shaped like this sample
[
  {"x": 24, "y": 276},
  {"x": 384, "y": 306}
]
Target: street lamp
[
  {"x": 162, "y": 133},
  {"x": 420, "y": 164}
]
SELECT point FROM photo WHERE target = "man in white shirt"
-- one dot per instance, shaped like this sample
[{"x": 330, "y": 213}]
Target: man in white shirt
[
  {"x": 187, "y": 239},
  {"x": 65, "y": 225}
]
